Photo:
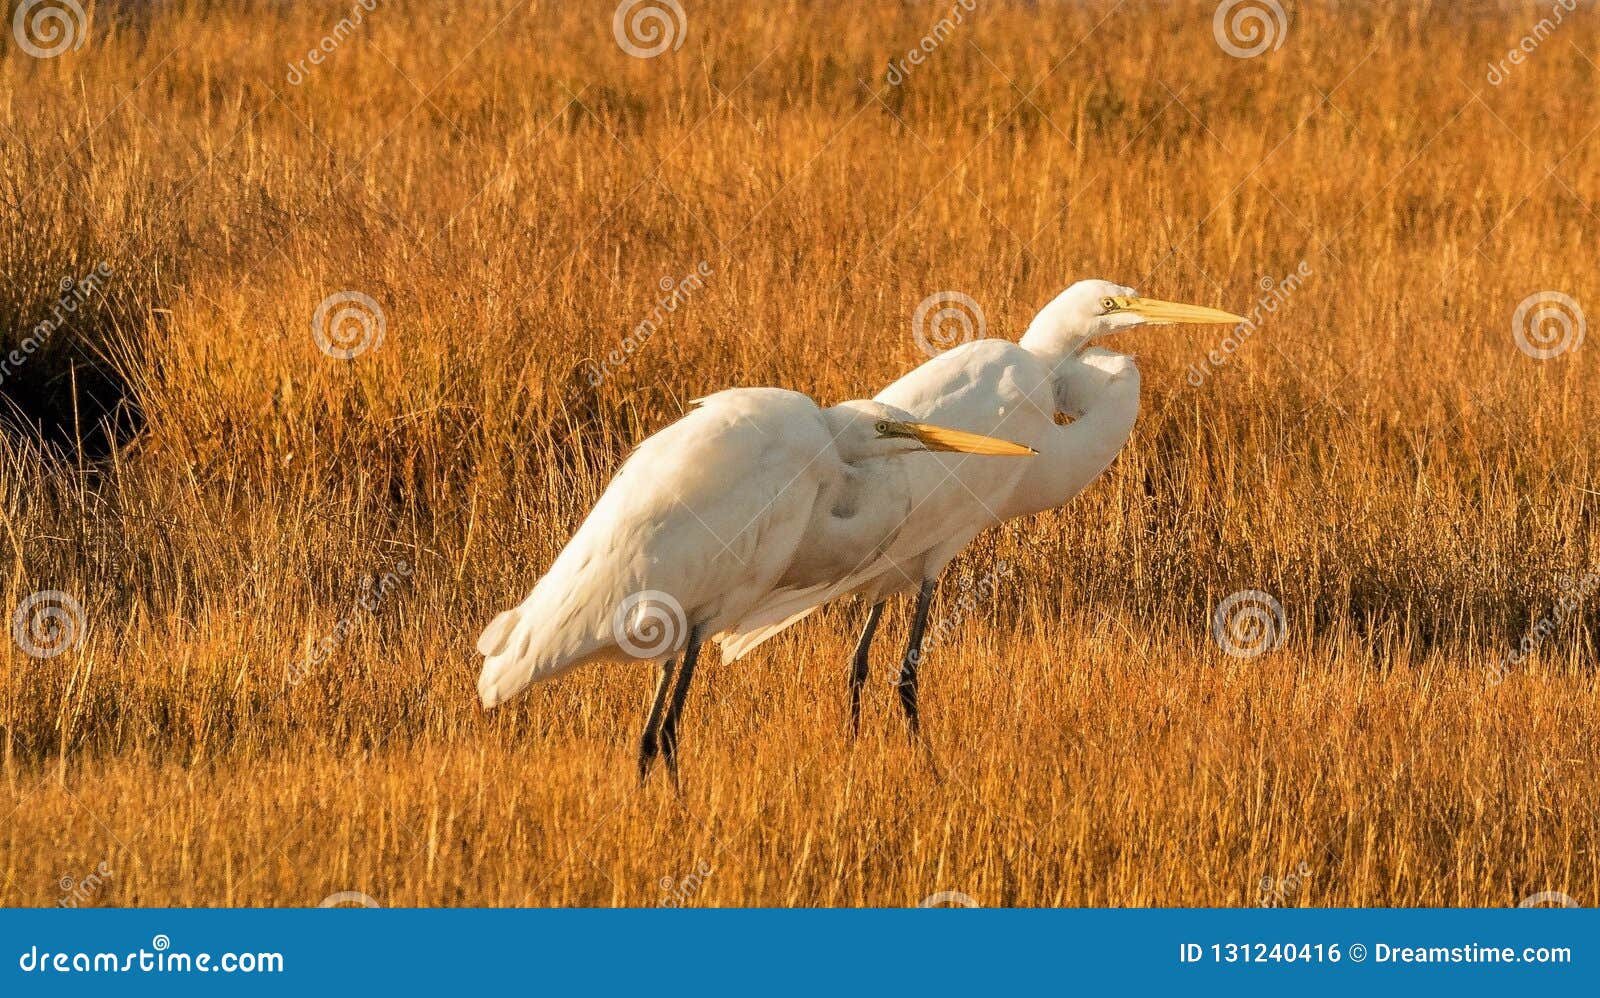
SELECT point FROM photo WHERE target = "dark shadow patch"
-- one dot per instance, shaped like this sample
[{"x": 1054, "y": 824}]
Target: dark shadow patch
[
  {"x": 70, "y": 350},
  {"x": 79, "y": 407}
]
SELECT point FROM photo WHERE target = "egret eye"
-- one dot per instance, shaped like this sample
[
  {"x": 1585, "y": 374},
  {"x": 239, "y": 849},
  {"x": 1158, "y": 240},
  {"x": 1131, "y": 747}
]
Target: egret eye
[
  {"x": 882, "y": 429},
  {"x": 1109, "y": 304}
]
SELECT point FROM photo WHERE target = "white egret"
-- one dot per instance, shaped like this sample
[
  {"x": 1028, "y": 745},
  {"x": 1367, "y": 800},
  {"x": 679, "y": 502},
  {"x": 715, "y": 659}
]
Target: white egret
[
  {"x": 699, "y": 524},
  {"x": 993, "y": 386}
]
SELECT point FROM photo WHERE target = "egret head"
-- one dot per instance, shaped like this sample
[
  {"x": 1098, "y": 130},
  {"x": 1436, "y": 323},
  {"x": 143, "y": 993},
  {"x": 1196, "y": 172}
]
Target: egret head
[
  {"x": 1091, "y": 309},
  {"x": 863, "y": 428}
]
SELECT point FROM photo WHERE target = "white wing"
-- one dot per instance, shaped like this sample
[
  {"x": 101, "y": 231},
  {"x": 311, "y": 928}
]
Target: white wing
[
  {"x": 942, "y": 501},
  {"x": 785, "y": 608},
  {"x": 992, "y": 387},
  {"x": 707, "y": 512}
]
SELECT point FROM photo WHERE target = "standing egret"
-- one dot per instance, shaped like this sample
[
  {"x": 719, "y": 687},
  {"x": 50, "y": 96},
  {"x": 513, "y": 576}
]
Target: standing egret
[
  {"x": 697, "y": 526},
  {"x": 993, "y": 386}
]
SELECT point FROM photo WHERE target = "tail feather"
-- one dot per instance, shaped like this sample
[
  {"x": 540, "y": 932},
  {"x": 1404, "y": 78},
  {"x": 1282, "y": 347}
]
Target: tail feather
[
  {"x": 493, "y": 639},
  {"x": 538, "y": 640}
]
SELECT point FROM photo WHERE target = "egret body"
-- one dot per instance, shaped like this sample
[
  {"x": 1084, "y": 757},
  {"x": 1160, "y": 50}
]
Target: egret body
[
  {"x": 703, "y": 521},
  {"x": 988, "y": 386}
]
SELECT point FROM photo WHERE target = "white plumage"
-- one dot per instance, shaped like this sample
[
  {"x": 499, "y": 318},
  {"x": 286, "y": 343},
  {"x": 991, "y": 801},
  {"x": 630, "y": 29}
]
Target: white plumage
[
  {"x": 707, "y": 511},
  {"x": 704, "y": 520},
  {"x": 758, "y": 506},
  {"x": 1012, "y": 390}
]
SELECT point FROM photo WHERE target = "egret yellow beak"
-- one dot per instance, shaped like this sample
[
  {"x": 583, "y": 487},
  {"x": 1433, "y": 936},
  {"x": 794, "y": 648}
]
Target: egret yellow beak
[
  {"x": 942, "y": 438},
  {"x": 1165, "y": 313}
]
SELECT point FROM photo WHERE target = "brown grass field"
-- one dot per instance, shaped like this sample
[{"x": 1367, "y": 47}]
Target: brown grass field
[{"x": 511, "y": 187}]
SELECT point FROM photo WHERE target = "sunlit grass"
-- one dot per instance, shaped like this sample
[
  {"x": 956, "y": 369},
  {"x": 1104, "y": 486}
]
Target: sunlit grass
[{"x": 512, "y": 188}]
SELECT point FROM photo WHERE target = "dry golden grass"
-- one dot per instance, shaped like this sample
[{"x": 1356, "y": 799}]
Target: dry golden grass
[{"x": 511, "y": 187}]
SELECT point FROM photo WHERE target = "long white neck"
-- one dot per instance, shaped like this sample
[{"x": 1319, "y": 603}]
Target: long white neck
[
  {"x": 1073, "y": 456},
  {"x": 1056, "y": 332}
]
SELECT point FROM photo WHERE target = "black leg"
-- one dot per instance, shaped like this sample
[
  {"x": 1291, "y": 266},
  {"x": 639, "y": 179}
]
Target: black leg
[
  {"x": 908, "y": 667},
  {"x": 650, "y": 743},
  {"x": 680, "y": 692},
  {"x": 858, "y": 666}
]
